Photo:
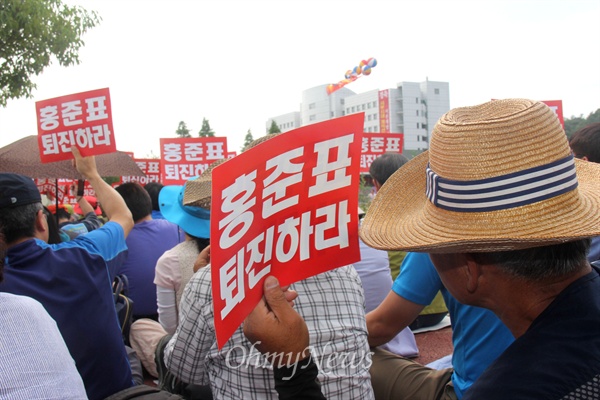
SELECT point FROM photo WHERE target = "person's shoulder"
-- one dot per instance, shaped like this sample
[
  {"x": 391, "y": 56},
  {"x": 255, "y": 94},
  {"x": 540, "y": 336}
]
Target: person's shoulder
[{"x": 23, "y": 303}]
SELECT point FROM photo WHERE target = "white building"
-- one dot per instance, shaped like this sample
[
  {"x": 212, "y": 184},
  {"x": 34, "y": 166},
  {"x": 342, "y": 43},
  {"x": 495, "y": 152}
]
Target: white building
[{"x": 411, "y": 108}]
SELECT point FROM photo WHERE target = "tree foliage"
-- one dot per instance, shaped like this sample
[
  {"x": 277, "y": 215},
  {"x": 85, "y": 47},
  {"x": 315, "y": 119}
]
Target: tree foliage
[
  {"x": 273, "y": 128},
  {"x": 182, "y": 130},
  {"x": 247, "y": 141},
  {"x": 574, "y": 124},
  {"x": 205, "y": 131},
  {"x": 32, "y": 32}
]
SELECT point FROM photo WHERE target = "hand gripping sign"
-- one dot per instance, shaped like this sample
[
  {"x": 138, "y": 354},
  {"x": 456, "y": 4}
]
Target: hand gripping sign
[
  {"x": 287, "y": 208},
  {"x": 81, "y": 119}
]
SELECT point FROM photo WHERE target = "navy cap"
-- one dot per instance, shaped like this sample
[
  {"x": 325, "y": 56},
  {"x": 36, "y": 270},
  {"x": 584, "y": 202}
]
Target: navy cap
[{"x": 17, "y": 190}]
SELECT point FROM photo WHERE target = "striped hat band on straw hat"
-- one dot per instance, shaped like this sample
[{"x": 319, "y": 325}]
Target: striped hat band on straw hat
[{"x": 498, "y": 176}]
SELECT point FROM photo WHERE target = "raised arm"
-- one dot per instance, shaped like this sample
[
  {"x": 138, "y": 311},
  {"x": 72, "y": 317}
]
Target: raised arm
[{"x": 113, "y": 204}]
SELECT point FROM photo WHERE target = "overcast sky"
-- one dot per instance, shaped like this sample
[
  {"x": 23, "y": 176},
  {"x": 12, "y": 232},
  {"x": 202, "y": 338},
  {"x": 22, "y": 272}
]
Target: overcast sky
[{"x": 237, "y": 63}]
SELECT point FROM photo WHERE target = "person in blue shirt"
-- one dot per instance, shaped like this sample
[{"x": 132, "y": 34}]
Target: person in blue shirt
[
  {"x": 72, "y": 280},
  {"x": 478, "y": 337}
]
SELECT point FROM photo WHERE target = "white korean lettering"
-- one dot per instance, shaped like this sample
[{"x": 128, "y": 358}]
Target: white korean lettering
[
  {"x": 364, "y": 144},
  {"x": 172, "y": 152},
  {"x": 83, "y": 137},
  {"x": 237, "y": 200},
  {"x": 100, "y": 135},
  {"x": 50, "y": 144},
  {"x": 214, "y": 151},
  {"x": 393, "y": 144},
  {"x": 71, "y": 111},
  {"x": 49, "y": 118},
  {"x": 324, "y": 166},
  {"x": 171, "y": 172},
  {"x": 256, "y": 258},
  {"x": 96, "y": 108},
  {"x": 66, "y": 140},
  {"x": 276, "y": 189},
  {"x": 333, "y": 221},
  {"x": 142, "y": 165},
  {"x": 153, "y": 167},
  {"x": 193, "y": 152},
  {"x": 377, "y": 145},
  {"x": 231, "y": 280}
]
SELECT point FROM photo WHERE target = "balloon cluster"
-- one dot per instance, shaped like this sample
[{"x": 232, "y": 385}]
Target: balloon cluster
[{"x": 363, "y": 68}]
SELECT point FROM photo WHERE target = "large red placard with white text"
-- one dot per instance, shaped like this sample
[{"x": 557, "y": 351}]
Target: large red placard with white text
[{"x": 288, "y": 208}]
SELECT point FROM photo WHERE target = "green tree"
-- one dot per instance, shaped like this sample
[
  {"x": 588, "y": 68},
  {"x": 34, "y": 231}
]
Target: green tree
[
  {"x": 574, "y": 124},
  {"x": 247, "y": 141},
  {"x": 273, "y": 128},
  {"x": 32, "y": 32},
  {"x": 205, "y": 131},
  {"x": 182, "y": 130}
]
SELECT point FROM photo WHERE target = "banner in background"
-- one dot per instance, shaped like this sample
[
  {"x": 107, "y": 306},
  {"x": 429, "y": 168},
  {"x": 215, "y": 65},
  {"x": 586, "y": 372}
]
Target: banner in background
[
  {"x": 184, "y": 158},
  {"x": 375, "y": 144}
]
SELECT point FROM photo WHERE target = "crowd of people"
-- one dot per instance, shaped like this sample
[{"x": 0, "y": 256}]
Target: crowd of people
[{"x": 497, "y": 225}]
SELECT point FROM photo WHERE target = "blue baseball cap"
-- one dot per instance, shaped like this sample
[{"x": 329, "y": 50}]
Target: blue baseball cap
[
  {"x": 194, "y": 221},
  {"x": 17, "y": 190}
]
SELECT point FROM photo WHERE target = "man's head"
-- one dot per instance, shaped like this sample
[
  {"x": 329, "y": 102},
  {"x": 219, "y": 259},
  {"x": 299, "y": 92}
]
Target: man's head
[
  {"x": 137, "y": 199},
  {"x": 153, "y": 189},
  {"x": 384, "y": 166},
  {"x": 585, "y": 143},
  {"x": 21, "y": 210}
]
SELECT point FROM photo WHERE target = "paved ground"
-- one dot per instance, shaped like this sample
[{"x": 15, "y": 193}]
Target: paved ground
[{"x": 434, "y": 345}]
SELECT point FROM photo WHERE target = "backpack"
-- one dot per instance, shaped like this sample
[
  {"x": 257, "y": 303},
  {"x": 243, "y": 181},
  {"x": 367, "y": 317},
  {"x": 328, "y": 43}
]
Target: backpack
[
  {"x": 143, "y": 392},
  {"x": 123, "y": 305}
]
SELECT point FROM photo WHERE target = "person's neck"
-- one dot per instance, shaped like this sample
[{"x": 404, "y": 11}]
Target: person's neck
[
  {"x": 519, "y": 302},
  {"x": 146, "y": 218}
]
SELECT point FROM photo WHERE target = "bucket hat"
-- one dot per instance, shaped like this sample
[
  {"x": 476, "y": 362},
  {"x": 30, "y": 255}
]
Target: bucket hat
[
  {"x": 192, "y": 220},
  {"x": 498, "y": 176}
]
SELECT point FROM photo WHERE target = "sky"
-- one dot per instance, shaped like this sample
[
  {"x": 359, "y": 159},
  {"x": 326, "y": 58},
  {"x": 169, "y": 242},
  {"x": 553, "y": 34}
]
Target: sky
[{"x": 238, "y": 63}]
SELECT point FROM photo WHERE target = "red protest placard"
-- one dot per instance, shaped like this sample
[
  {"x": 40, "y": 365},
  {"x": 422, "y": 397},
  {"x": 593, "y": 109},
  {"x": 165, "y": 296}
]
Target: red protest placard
[
  {"x": 375, "y": 144},
  {"x": 81, "y": 119},
  {"x": 288, "y": 208},
  {"x": 150, "y": 167},
  {"x": 556, "y": 106},
  {"x": 184, "y": 158}
]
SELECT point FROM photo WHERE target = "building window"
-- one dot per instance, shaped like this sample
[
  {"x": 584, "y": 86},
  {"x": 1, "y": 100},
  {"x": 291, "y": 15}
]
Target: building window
[
  {"x": 417, "y": 113},
  {"x": 343, "y": 113},
  {"x": 311, "y": 106},
  {"x": 331, "y": 115},
  {"x": 436, "y": 91},
  {"x": 363, "y": 107},
  {"x": 368, "y": 117},
  {"x": 353, "y": 108},
  {"x": 418, "y": 125},
  {"x": 374, "y": 104},
  {"x": 369, "y": 105},
  {"x": 312, "y": 117}
]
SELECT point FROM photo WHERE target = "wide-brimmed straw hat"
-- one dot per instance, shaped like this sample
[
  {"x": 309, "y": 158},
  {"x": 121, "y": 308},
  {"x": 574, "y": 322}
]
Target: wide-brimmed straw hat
[
  {"x": 198, "y": 192},
  {"x": 498, "y": 176}
]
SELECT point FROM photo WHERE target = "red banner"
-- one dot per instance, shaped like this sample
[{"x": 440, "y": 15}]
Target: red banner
[
  {"x": 556, "y": 106},
  {"x": 150, "y": 167},
  {"x": 82, "y": 119},
  {"x": 375, "y": 144},
  {"x": 184, "y": 158},
  {"x": 384, "y": 111},
  {"x": 287, "y": 208}
]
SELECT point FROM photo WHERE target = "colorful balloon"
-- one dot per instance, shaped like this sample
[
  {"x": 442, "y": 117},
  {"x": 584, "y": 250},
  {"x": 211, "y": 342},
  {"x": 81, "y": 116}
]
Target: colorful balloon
[{"x": 363, "y": 68}]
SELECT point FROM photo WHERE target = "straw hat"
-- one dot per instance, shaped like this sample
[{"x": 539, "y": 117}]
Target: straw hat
[
  {"x": 501, "y": 177},
  {"x": 198, "y": 191}
]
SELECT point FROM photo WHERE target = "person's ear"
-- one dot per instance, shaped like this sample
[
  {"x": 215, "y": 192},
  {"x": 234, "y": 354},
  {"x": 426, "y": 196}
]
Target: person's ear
[
  {"x": 585, "y": 158},
  {"x": 473, "y": 273}
]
